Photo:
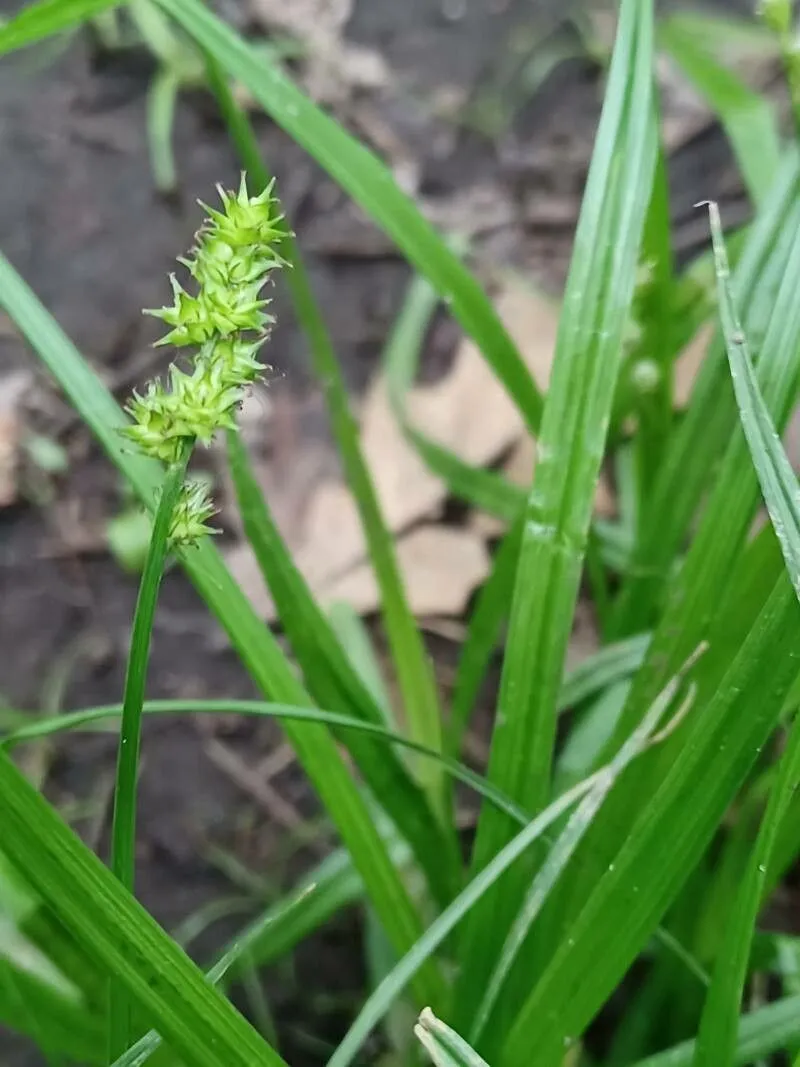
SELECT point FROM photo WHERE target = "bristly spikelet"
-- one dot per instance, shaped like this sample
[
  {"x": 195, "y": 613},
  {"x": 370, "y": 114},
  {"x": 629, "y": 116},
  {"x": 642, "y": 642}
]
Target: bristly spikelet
[{"x": 227, "y": 323}]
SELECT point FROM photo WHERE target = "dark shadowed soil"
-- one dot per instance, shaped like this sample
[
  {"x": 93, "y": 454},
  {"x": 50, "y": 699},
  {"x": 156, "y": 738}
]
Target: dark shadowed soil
[{"x": 80, "y": 220}]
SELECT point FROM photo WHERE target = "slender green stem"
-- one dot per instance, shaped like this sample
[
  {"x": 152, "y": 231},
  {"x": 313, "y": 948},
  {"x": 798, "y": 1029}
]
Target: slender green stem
[
  {"x": 123, "y": 832},
  {"x": 412, "y": 664}
]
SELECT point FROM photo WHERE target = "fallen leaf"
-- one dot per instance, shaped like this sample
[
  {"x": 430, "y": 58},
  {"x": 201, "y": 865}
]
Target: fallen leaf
[
  {"x": 13, "y": 388},
  {"x": 688, "y": 364},
  {"x": 440, "y": 566}
]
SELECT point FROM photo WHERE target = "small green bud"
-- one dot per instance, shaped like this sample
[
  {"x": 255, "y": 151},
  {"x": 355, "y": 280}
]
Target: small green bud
[
  {"x": 192, "y": 511},
  {"x": 646, "y": 375},
  {"x": 246, "y": 220}
]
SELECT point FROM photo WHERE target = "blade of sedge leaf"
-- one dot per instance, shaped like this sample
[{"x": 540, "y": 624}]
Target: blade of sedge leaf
[
  {"x": 570, "y": 450},
  {"x": 352, "y": 634},
  {"x": 372, "y": 186},
  {"x": 256, "y": 646},
  {"x": 702, "y": 599},
  {"x": 748, "y": 118},
  {"x": 706, "y": 428},
  {"x": 202, "y": 1027},
  {"x": 410, "y": 660},
  {"x": 597, "y": 786},
  {"x": 333, "y": 682},
  {"x": 47, "y": 17},
  {"x": 162, "y": 96},
  {"x": 88, "y": 718},
  {"x": 774, "y": 471},
  {"x": 483, "y": 635},
  {"x": 707, "y": 760},
  {"x": 123, "y": 822},
  {"x": 444, "y": 1046},
  {"x": 716, "y": 1040},
  {"x": 239, "y": 952},
  {"x": 729, "y": 513},
  {"x": 760, "y": 1033}
]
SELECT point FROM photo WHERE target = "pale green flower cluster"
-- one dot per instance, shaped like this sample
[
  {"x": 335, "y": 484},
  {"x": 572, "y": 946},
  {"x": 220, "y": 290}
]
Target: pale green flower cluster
[{"x": 226, "y": 320}]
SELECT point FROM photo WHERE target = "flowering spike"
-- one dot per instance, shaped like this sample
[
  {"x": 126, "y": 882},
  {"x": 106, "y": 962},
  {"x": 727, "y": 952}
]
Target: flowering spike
[{"x": 227, "y": 322}]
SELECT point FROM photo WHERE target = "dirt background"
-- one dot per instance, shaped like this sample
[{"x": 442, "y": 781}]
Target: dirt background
[{"x": 80, "y": 220}]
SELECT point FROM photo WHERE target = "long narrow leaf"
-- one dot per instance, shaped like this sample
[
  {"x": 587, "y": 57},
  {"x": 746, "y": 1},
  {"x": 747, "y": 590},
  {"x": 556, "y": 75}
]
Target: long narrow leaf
[
  {"x": 707, "y": 761},
  {"x": 40, "y": 20},
  {"x": 199, "y": 1023},
  {"x": 705, "y": 431},
  {"x": 570, "y": 450},
  {"x": 444, "y": 1046},
  {"x": 716, "y": 1041},
  {"x": 89, "y": 718},
  {"x": 774, "y": 471}
]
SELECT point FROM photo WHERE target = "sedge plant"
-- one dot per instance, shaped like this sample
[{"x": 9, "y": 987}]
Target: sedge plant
[{"x": 636, "y": 812}]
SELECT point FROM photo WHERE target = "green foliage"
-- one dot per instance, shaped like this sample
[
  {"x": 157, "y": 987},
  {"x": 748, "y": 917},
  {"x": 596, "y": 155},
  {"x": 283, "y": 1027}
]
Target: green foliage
[{"x": 637, "y": 811}]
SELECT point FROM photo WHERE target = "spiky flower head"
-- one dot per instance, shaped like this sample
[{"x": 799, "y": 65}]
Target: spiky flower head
[
  {"x": 776, "y": 14},
  {"x": 226, "y": 321}
]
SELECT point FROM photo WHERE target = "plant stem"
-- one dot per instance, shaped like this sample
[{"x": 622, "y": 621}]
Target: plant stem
[{"x": 123, "y": 832}]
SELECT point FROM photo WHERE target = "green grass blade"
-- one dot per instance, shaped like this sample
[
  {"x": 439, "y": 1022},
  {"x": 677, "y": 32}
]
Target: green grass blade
[
  {"x": 199, "y": 1024},
  {"x": 707, "y": 761},
  {"x": 560, "y": 854},
  {"x": 761, "y": 1032},
  {"x": 411, "y": 663},
  {"x": 240, "y": 952},
  {"x": 483, "y": 635},
  {"x": 123, "y": 826},
  {"x": 161, "y": 98},
  {"x": 747, "y": 117},
  {"x": 43, "y": 19},
  {"x": 716, "y": 1040},
  {"x": 444, "y": 1046},
  {"x": 371, "y": 185},
  {"x": 89, "y": 718},
  {"x": 570, "y": 451},
  {"x": 726, "y": 522},
  {"x": 334, "y": 683},
  {"x": 353, "y": 635},
  {"x": 257, "y": 648},
  {"x": 773, "y": 469},
  {"x": 706, "y": 429}
]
